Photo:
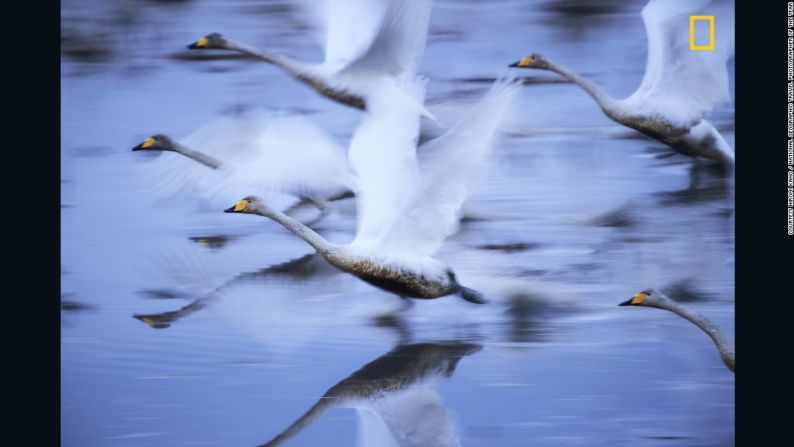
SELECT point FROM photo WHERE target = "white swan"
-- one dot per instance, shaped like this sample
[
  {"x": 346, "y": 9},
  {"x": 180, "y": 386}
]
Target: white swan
[
  {"x": 680, "y": 86},
  {"x": 654, "y": 298},
  {"x": 257, "y": 151},
  {"x": 395, "y": 397},
  {"x": 405, "y": 207},
  {"x": 367, "y": 42}
]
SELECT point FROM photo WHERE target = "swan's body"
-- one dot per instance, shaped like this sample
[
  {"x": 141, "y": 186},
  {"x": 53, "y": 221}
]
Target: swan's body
[
  {"x": 654, "y": 298},
  {"x": 260, "y": 151},
  {"x": 680, "y": 86},
  {"x": 367, "y": 43},
  {"x": 405, "y": 207},
  {"x": 395, "y": 398}
]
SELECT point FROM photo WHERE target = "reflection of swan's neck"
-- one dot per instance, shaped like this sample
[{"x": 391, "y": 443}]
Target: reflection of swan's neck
[
  {"x": 606, "y": 102},
  {"x": 323, "y": 247},
  {"x": 302, "y": 422},
  {"x": 200, "y": 157},
  {"x": 727, "y": 351}
]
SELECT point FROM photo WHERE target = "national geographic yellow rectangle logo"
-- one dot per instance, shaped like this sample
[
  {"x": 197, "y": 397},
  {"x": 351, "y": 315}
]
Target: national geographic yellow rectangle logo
[{"x": 692, "y": 46}]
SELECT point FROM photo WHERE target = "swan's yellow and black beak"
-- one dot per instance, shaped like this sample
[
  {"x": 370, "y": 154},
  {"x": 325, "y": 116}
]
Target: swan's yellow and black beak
[
  {"x": 147, "y": 143},
  {"x": 240, "y": 207},
  {"x": 636, "y": 300},
  {"x": 523, "y": 63},
  {"x": 201, "y": 43}
]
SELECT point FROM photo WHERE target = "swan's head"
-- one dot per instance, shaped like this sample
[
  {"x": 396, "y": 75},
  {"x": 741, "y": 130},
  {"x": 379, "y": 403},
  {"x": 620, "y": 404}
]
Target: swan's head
[
  {"x": 649, "y": 298},
  {"x": 531, "y": 61},
  {"x": 248, "y": 205},
  {"x": 157, "y": 142},
  {"x": 214, "y": 41}
]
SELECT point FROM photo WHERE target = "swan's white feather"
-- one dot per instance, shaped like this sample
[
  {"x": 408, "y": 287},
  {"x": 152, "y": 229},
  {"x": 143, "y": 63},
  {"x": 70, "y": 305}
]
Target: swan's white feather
[
  {"x": 447, "y": 164},
  {"x": 347, "y": 27},
  {"x": 679, "y": 83},
  {"x": 383, "y": 156},
  {"x": 400, "y": 40},
  {"x": 293, "y": 155}
]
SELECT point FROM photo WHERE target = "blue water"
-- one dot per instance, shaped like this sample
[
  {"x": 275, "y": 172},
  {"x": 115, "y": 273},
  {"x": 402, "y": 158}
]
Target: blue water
[{"x": 580, "y": 214}]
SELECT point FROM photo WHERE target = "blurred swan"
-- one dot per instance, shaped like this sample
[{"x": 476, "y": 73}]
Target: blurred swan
[
  {"x": 395, "y": 398},
  {"x": 654, "y": 298},
  {"x": 367, "y": 43},
  {"x": 405, "y": 207},
  {"x": 680, "y": 86},
  {"x": 258, "y": 151}
]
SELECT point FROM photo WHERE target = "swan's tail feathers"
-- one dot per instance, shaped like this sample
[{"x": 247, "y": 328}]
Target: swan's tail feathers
[{"x": 472, "y": 295}]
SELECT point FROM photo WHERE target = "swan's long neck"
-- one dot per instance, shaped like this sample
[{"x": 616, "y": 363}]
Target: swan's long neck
[
  {"x": 726, "y": 349},
  {"x": 607, "y": 103},
  {"x": 200, "y": 157},
  {"x": 323, "y": 247},
  {"x": 293, "y": 67},
  {"x": 301, "y": 72}
]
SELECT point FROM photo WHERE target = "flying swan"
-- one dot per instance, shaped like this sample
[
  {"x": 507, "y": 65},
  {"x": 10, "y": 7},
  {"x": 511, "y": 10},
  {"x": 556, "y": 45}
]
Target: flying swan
[{"x": 680, "y": 86}]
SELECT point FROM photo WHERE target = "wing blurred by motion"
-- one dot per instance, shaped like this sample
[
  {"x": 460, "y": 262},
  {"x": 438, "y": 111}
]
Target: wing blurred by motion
[
  {"x": 383, "y": 156},
  {"x": 400, "y": 40},
  {"x": 261, "y": 152},
  {"x": 447, "y": 165},
  {"x": 680, "y": 83}
]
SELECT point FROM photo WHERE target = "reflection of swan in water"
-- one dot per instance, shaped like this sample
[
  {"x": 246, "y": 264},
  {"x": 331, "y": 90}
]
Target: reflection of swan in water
[
  {"x": 284, "y": 307},
  {"x": 367, "y": 44},
  {"x": 305, "y": 267},
  {"x": 680, "y": 86},
  {"x": 253, "y": 151},
  {"x": 654, "y": 298},
  {"x": 395, "y": 398}
]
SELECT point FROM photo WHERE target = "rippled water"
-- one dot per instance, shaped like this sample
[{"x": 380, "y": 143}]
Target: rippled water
[{"x": 185, "y": 326}]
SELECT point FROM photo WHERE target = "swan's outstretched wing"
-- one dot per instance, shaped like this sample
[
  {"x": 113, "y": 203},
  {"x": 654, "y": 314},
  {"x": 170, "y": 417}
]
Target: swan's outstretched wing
[
  {"x": 347, "y": 27},
  {"x": 383, "y": 156},
  {"x": 293, "y": 155},
  {"x": 679, "y": 83},
  {"x": 400, "y": 40},
  {"x": 447, "y": 163}
]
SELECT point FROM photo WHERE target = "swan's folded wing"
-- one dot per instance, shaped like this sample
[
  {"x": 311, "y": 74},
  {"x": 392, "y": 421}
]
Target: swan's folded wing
[
  {"x": 400, "y": 40},
  {"x": 447, "y": 164},
  {"x": 383, "y": 156},
  {"x": 292, "y": 155},
  {"x": 681, "y": 83}
]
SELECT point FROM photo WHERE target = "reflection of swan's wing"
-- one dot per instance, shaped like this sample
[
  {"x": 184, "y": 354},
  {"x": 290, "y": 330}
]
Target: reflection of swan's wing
[
  {"x": 293, "y": 155},
  {"x": 412, "y": 417},
  {"x": 400, "y": 39},
  {"x": 446, "y": 167},
  {"x": 383, "y": 155},
  {"x": 679, "y": 83}
]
